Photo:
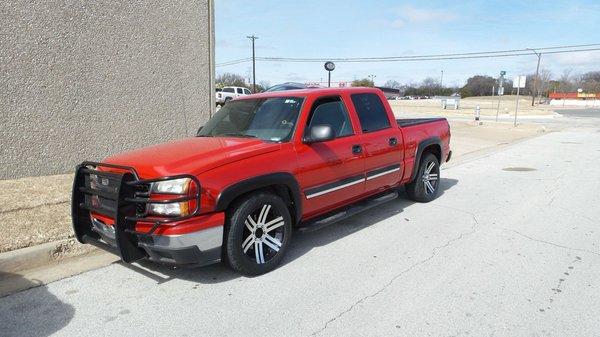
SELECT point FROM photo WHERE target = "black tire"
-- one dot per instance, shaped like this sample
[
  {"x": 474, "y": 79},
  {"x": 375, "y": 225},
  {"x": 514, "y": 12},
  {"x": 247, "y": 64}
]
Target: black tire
[
  {"x": 227, "y": 99},
  {"x": 259, "y": 255},
  {"x": 418, "y": 190}
]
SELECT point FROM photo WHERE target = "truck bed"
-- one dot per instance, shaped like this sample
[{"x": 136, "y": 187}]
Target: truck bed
[{"x": 404, "y": 122}]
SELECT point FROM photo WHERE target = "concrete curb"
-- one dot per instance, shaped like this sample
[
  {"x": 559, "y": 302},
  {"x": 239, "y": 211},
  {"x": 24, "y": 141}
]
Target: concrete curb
[{"x": 40, "y": 255}]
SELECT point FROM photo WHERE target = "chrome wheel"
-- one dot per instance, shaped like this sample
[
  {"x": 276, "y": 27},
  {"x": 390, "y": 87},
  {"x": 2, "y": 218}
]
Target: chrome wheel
[
  {"x": 430, "y": 177},
  {"x": 263, "y": 234}
]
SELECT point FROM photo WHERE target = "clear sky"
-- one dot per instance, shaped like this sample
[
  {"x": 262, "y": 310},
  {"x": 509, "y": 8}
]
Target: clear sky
[{"x": 355, "y": 28}]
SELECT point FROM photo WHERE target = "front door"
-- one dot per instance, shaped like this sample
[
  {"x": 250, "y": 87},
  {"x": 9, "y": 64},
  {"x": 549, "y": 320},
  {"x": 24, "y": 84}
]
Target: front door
[{"x": 331, "y": 172}]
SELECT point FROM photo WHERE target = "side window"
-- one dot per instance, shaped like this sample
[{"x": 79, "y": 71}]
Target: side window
[
  {"x": 240, "y": 91},
  {"x": 247, "y": 92},
  {"x": 371, "y": 112},
  {"x": 227, "y": 89},
  {"x": 331, "y": 111}
]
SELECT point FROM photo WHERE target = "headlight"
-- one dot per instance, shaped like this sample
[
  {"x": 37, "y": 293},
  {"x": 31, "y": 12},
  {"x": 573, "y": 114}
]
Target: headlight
[
  {"x": 175, "y": 186},
  {"x": 170, "y": 209}
]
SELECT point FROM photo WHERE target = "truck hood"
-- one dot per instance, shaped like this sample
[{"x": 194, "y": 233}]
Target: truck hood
[{"x": 191, "y": 155}]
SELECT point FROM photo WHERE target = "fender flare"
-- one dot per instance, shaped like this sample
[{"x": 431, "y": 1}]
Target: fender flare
[
  {"x": 422, "y": 146},
  {"x": 231, "y": 192}
]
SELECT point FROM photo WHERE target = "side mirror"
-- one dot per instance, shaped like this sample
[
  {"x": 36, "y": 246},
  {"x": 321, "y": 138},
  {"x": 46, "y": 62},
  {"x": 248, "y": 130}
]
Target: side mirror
[{"x": 319, "y": 133}]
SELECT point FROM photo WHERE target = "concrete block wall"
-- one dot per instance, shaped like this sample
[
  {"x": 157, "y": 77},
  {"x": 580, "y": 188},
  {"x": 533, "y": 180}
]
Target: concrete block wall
[{"x": 80, "y": 80}]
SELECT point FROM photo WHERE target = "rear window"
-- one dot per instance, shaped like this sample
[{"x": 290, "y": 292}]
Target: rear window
[{"x": 371, "y": 112}]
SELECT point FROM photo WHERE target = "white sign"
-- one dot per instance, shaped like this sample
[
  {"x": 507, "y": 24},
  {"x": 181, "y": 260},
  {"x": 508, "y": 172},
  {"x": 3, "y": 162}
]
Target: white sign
[
  {"x": 500, "y": 91},
  {"x": 519, "y": 81}
]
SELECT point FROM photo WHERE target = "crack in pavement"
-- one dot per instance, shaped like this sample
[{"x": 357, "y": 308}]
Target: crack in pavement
[
  {"x": 434, "y": 252},
  {"x": 547, "y": 242}
]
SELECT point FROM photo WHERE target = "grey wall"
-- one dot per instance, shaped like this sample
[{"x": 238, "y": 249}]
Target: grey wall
[{"x": 83, "y": 79}]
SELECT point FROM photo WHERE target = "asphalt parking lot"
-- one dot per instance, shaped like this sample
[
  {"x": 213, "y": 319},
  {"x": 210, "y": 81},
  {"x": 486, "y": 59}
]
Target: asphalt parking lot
[{"x": 510, "y": 248}]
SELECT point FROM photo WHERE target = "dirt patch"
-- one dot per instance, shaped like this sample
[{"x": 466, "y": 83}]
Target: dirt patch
[{"x": 488, "y": 107}]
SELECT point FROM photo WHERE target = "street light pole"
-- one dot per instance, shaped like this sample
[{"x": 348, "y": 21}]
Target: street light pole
[
  {"x": 442, "y": 80},
  {"x": 537, "y": 74},
  {"x": 253, "y": 63},
  {"x": 372, "y": 77}
]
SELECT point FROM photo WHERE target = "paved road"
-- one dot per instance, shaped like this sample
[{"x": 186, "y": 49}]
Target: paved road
[
  {"x": 511, "y": 248},
  {"x": 580, "y": 112}
]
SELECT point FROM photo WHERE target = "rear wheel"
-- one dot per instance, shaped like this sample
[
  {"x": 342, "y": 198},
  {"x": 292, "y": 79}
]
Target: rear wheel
[
  {"x": 425, "y": 187},
  {"x": 258, "y": 233}
]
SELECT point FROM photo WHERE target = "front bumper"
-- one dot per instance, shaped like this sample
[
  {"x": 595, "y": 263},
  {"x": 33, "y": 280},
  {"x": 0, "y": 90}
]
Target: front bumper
[
  {"x": 106, "y": 213},
  {"x": 194, "y": 249}
]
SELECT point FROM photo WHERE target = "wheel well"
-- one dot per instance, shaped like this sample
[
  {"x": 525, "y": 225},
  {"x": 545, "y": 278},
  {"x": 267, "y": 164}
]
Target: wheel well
[
  {"x": 281, "y": 190},
  {"x": 435, "y": 149}
]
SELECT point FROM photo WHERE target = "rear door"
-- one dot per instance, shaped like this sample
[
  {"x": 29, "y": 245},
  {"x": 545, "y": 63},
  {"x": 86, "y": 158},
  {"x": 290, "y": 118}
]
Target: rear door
[
  {"x": 331, "y": 172},
  {"x": 381, "y": 139}
]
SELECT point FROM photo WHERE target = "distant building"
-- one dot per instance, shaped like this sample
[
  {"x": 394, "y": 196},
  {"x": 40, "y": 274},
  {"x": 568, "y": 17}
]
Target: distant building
[
  {"x": 390, "y": 92},
  {"x": 574, "y": 95}
]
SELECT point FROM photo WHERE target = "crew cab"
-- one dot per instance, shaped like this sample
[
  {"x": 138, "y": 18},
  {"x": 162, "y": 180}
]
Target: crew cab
[
  {"x": 226, "y": 94},
  {"x": 263, "y": 166}
]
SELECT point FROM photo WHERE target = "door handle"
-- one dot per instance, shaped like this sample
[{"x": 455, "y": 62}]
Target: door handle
[
  {"x": 393, "y": 141},
  {"x": 356, "y": 149}
]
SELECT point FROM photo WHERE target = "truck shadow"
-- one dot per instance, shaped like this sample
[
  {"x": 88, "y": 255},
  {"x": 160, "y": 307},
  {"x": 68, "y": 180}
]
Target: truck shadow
[
  {"x": 302, "y": 243},
  {"x": 33, "y": 312}
]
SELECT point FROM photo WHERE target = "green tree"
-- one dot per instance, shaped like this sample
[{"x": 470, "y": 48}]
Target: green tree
[
  {"x": 365, "y": 82},
  {"x": 478, "y": 85}
]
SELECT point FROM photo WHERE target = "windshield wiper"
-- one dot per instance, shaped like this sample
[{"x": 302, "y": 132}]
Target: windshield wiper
[{"x": 233, "y": 134}]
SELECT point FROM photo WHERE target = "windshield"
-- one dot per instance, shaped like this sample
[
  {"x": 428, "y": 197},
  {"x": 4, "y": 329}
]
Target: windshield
[{"x": 270, "y": 119}]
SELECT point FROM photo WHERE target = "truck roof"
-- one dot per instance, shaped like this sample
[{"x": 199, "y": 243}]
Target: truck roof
[{"x": 311, "y": 92}]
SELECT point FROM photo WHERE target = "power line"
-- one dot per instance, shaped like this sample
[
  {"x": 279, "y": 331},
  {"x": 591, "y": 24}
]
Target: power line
[{"x": 431, "y": 57}]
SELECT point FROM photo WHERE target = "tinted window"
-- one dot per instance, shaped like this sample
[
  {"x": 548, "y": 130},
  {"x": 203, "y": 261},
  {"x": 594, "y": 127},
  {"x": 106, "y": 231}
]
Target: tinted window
[
  {"x": 240, "y": 91},
  {"x": 247, "y": 92},
  {"x": 371, "y": 113},
  {"x": 331, "y": 111},
  {"x": 228, "y": 90},
  {"x": 271, "y": 119}
]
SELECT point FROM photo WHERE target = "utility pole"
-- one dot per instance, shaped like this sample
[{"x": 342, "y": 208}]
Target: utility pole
[
  {"x": 253, "y": 63},
  {"x": 537, "y": 74},
  {"x": 442, "y": 80}
]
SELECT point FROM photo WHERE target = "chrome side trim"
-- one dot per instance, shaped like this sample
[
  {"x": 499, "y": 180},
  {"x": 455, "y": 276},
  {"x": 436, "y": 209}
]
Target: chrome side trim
[
  {"x": 383, "y": 173},
  {"x": 358, "y": 181}
]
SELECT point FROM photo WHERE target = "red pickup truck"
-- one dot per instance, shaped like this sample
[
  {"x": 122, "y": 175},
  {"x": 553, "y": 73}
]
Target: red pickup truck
[{"x": 262, "y": 166}]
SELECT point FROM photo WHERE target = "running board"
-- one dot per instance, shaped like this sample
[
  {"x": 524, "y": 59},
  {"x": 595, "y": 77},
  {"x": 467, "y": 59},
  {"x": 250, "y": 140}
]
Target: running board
[{"x": 346, "y": 212}]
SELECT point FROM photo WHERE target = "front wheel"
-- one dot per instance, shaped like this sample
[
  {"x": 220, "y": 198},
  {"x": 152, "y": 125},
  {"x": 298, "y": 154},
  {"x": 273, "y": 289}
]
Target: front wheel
[
  {"x": 425, "y": 187},
  {"x": 259, "y": 229}
]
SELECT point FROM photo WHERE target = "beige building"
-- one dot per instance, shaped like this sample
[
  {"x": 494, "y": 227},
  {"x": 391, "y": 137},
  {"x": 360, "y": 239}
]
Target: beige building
[{"x": 82, "y": 80}]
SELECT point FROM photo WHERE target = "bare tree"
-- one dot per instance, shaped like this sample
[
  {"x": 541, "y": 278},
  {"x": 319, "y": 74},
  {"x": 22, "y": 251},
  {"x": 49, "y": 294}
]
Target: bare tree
[
  {"x": 392, "y": 84},
  {"x": 229, "y": 79}
]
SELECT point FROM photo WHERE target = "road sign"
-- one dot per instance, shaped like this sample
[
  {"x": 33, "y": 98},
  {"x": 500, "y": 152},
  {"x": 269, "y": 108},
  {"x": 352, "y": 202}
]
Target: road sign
[
  {"x": 519, "y": 81},
  {"x": 502, "y": 73},
  {"x": 500, "y": 91}
]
